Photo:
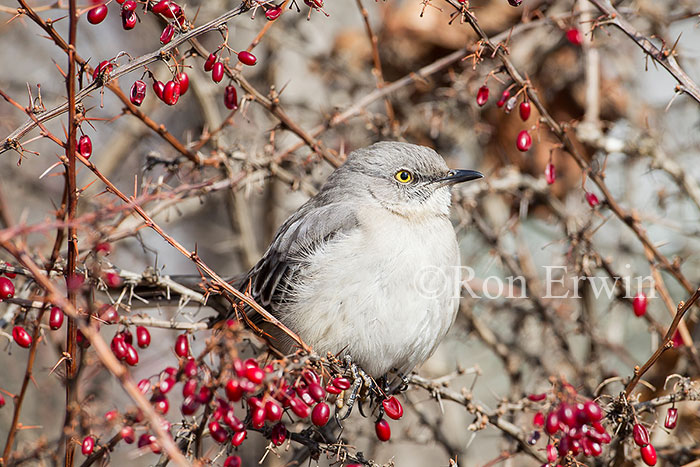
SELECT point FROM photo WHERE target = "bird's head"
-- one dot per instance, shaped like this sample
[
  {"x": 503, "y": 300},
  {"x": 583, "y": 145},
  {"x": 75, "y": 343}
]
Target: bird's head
[{"x": 407, "y": 179}]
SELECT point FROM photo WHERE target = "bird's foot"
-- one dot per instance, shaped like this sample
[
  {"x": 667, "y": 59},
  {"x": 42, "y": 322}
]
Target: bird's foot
[{"x": 362, "y": 386}]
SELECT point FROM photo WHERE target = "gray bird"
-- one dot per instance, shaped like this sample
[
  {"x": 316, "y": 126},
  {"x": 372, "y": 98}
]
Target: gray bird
[{"x": 369, "y": 267}]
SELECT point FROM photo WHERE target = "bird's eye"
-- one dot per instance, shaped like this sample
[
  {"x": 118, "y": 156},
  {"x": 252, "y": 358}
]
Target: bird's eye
[{"x": 403, "y": 176}]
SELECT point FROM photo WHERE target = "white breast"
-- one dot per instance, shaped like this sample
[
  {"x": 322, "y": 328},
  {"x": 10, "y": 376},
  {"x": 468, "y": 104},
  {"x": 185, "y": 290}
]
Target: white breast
[{"x": 385, "y": 294}]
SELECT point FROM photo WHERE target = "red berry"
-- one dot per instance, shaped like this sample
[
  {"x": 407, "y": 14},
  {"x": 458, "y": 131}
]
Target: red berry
[
  {"x": 299, "y": 408},
  {"x": 279, "y": 434},
  {"x": 515, "y": 2},
  {"x": 231, "y": 420},
  {"x": 104, "y": 66},
  {"x": 648, "y": 454},
  {"x": 321, "y": 414},
  {"x": 273, "y": 13},
  {"x": 550, "y": 173},
  {"x": 592, "y": 199},
  {"x": 482, "y": 95},
  {"x": 171, "y": 92},
  {"x": 97, "y": 14},
  {"x": 129, "y": 5},
  {"x": 383, "y": 430},
  {"x": 109, "y": 314},
  {"x": 592, "y": 411},
  {"x": 640, "y": 434},
  {"x": 551, "y": 424},
  {"x": 524, "y": 141},
  {"x": 671, "y": 418},
  {"x": 504, "y": 97},
  {"x": 167, "y": 8},
  {"x": 247, "y": 58},
  {"x": 127, "y": 434},
  {"x": 392, "y": 408},
  {"x": 88, "y": 445},
  {"x": 21, "y": 336},
  {"x": 258, "y": 417},
  {"x": 167, "y": 35},
  {"x": 132, "y": 356},
  {"x": 233, "y": 461},
  {"x": 111, "y": 415},
  {"x": 209, "y": 63},
  {"x": 182, "y": 346},
  {"x": 332, "y": 389},
  {"x": 525, "y": 109},
  {"x": 143, "y": 337},
  {"x": 184, "y": 81},
  {"x": 7, "y": 288},
  {"x": 233, "y": 390},
  {"x": 217, "y": 72},
  {"x": 537, "y": 397},
  {"x": 161, "y": 7},
  {"x": 55, "y": 318},
  {"x": 85, "y": 146},
  {"x": 639, "y": 304},
  {"x": 230, "y": 97},
  {"x": 238, "y": 437},
  {"x": 143, "y": 386},
  {"x": 538, "y": 419},
  {"x": 189, "y": 405},
  {"x": 129, "y": 19},
  {"x": 166, "y": 385},
  {"x": 552, "y": 453},
  {"x": 145, "y": 440},
  {"x": 574, "y": 36},
  {"x": 138, "y": 92},
  {"x": 160, "y": 404},
  {"x": 342, "y": 383},
  {"x": 217, "y": 432},
  {"x": 316, "y": 392},
  {"x": 11, "y": 275},
  {"x": 273, "y": 411},
  {"x": 205, "y": 394},
  {"x": 567, "y": 415},
  {"x": 255, "y": 374},
  {"x": 189, "y": 370}
]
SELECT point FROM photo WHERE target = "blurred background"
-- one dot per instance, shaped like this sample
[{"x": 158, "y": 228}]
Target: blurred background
[{"x": 619, "y": 108}]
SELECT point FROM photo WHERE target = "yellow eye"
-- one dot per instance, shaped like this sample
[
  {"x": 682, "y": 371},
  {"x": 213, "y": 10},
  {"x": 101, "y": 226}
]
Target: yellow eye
[{"x": 403, "y": 176}]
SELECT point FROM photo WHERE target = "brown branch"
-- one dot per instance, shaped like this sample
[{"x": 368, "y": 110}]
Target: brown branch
[
  {"x": 663, "y": 56},
  {"x": 108, "y": 80},
  {"x": 560, "y": 132},
  {"x": 475, "y": 407},
  {"x": 377, "y": 70},
  {"x": 192, "y": 255},
  {"x": 102, "y": 350},
  {"x": 71, "y": 362},
  {"x": 666, "y": 344}
]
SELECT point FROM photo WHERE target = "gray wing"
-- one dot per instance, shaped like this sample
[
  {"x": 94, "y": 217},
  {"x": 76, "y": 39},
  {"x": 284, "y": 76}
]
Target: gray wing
[{"x": 307, "y": 229}]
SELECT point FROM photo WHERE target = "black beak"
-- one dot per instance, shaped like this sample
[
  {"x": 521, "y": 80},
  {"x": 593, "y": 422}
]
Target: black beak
[{"x": 459, "y": 176}]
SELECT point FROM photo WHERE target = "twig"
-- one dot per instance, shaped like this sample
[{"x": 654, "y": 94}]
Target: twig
[
  {"x": 377, "y": 70},
  {"x": 666, "y": 344},
  {"x": 103, "y": 352},
  {"x": 663, "y": 57}
]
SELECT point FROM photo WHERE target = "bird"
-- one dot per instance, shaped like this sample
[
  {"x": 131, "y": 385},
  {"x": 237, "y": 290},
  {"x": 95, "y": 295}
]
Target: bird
[{"x": 368, "y": 268}]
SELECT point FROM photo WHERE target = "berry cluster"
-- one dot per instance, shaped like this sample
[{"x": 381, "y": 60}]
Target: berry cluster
[
  {"x": 243, "y": 396},
  {"x": 523, "y": 141},
  {"x": 573, "y": 426},
  {"x": 170, "y": 91}
]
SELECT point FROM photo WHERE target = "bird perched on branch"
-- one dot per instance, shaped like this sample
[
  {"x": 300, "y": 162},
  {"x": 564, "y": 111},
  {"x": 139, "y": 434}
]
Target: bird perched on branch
[{"x": 369, "y": 267}]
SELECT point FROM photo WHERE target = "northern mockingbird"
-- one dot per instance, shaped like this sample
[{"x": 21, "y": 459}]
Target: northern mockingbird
[{"x": 369, "y": 267}]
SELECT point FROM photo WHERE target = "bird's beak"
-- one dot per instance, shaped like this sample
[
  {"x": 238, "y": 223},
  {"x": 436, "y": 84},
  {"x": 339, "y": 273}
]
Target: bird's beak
[{"x": 459, "y": 176}]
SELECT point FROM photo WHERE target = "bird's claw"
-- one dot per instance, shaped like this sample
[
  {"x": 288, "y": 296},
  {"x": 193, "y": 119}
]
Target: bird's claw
[{"x": 360, "y": 381}]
